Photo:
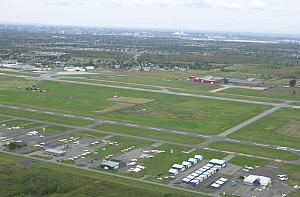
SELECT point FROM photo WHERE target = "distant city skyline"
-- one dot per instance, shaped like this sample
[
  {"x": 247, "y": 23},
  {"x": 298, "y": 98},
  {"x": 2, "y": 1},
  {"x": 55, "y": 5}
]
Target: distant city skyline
[{"x": 261, "y": 16}]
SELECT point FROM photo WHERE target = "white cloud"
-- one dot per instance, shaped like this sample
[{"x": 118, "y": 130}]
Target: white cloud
[{"x": 258, "y": 4}]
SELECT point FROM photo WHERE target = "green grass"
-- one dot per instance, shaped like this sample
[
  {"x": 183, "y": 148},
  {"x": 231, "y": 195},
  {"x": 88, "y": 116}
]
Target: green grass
[
  {"x": 42, "y": 157},
  {"x": 32, "y": 125},
  {"x": 170, "y": 137},
  {"x": 168, "y": 111},
  {"x": 98, "y": 184},
  {"x": 279, "y": 93},
  {"x": 20, "y": 73},
  {"x": 254, "y": 150},
  {"x": 247, "y": 161},
  {"x": 162, "y": 162},
  {"x": 279, "y": 128},
  {"x": 56, "y": 129},
  {"x": 14, "y": 123},
  {"x": 123, "y": 142},
  {"x": 3, "y": 118},
  {"x": 45, "y": 117}
]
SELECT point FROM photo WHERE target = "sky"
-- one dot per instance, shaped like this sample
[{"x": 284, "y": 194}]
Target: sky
[{"x": 266, "y": 16}]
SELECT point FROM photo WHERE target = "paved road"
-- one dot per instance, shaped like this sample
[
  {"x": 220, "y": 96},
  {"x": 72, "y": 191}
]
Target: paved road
[
  {"x": 110, "y": 174},
  {"x": 250, "y": 121}
]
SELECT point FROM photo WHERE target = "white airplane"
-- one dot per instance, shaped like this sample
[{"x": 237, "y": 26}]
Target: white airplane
[
  {"x": 281, "y": 175},
  {"x": 249, "y": 167},
  {"x": 283, "y": 179},
  {"x": 257, "y": 166},
  {"x": 283, "y": 195},
  {"x": 296, "y": 187},
  {"x": 246, "y": 170}
]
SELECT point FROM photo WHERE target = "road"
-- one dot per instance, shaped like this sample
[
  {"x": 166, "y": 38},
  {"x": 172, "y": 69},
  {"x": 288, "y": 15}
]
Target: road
[
  {"x": 109, "y": 174},
  {"x": 250, "y": 121}
]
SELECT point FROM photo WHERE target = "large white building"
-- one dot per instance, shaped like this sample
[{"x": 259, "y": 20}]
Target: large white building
[{"x": 257, "y": 180}]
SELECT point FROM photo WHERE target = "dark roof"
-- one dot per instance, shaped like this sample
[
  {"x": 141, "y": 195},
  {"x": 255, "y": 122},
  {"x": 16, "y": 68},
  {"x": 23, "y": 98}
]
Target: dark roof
[{"x": 244, "y": 81}]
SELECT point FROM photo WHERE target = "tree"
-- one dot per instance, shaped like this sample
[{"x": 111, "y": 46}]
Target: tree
[
  {"x": 293, "y": 83},
  {"x": 12, "y": 145}
]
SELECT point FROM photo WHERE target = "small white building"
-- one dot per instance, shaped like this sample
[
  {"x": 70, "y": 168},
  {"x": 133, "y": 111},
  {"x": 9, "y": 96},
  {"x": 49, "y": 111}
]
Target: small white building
[
  {"x": 257, "y": 180},
  {"x": 193, "y": 161},
  {"x": 218, "y": 162},
  {"x": 178, "y": 167},
  {"x": 173, "y": 172},
  {"x": 198, "y": 157},
  {"x": 186, "y": 164}
]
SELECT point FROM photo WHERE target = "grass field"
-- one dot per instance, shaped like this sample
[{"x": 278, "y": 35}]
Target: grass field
[
  {"x": 54, "y": 180},
  {"x": 16, "y": 83},
  {"x": 3, "y": 118},
  {"x": 169, "y": 111},
  {"x": 56, "y": 129},
  {"x": 254, "y": 150},
  {"x": 32, "y": 125},
  {"x": 44, "y": 117},
  {"x": 170, "y": 137},
  {"x": 160, "y": 164},
  {"x": 280, "y": 93},
  {"x": 15, "y": 123},
  {"x": 247, "y": 161},
  {"x": 280, "y": 128}
]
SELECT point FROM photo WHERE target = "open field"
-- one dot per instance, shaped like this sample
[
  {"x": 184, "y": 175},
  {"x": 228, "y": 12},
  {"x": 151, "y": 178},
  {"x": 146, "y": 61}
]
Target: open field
[
  {"x": 280, "y": 93},
  {"x": 68, "y": 181},
  {"x": 169, "y": 79},
  {"x": 15, "y": 123},
  {"x": 30, "y": 74},
  {"x": 188, "y": 88},
  {"x": 44, "y": 117},
  {"x": 3, "y": 118},
  {"x": 169, "y": 111},
  {"x": 254, "y": 150},
  {"x": 280, "y": 128},
  {"x": 8, "y": 83},
  {"x": 247, "y": 161},
  {"x": 151, "y": 134},
  {"x": 56, "y": 129}
]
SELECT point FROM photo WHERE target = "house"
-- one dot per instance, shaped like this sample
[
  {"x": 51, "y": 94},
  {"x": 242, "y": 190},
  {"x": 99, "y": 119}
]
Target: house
[
  {"x": 257, "y": 180},
  {"x": 218, "y": 162},
  {"x": 110, "y": 165},
  {"x": 173, "y": 172},
  {"x": 54, "y": 152}
]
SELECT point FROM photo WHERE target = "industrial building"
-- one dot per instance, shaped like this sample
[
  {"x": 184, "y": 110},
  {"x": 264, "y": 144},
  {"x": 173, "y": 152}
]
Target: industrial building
[
  {"x": 54, "y": 152},
  {"x": 110, "y": 165},
  {"x": 249, "y": 82},
  {"x": 207, "y": 79},
  {"x": 257, "y": 180}
]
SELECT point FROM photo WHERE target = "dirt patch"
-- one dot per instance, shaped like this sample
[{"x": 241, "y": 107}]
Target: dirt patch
[
  {"x": 124, "y": 103},
  {"x": 131, "y": 100},
  {"x": 117, "y": 107},
  {"x": 292, "y": 128}
]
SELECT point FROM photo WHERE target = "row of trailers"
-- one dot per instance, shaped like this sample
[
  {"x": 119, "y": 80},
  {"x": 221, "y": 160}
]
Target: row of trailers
[
  {"x": 176, "y": 168},
  {"x": 204, "y": 172}
]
